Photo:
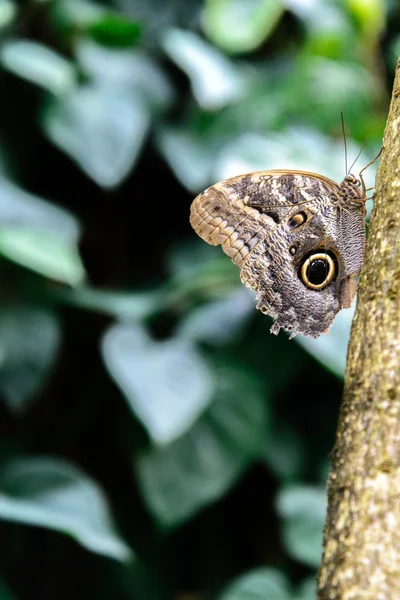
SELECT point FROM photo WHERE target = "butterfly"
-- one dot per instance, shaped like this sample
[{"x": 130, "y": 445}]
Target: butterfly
[{"x": 297, "y": 237}]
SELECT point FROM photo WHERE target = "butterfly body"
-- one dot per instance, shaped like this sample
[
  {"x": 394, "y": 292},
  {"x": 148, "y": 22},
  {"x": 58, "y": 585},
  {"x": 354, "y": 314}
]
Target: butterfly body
[{"x": 298, "y": 238}]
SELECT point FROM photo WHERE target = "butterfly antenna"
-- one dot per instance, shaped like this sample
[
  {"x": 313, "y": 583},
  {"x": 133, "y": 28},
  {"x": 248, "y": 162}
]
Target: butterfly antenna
[
  {"x": 358, "y": 156},
  {"x": 366, "y": 167},
  {"x": 372, "y": 161},
  {"x": 345, "y": 143}
]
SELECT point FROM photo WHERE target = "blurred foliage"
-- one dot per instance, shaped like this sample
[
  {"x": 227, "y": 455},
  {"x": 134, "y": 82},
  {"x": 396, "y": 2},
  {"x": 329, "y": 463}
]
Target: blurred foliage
[{"x": 156, "y": 441}]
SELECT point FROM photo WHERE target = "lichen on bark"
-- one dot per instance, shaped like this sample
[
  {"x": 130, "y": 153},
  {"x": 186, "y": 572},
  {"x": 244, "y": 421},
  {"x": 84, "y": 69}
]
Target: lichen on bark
[{"x": 361, "y": 558}]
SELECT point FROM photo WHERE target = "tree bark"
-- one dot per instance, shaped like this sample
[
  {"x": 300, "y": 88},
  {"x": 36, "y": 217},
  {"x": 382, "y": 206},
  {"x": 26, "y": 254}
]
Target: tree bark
[{"x": 361, "y": 557}]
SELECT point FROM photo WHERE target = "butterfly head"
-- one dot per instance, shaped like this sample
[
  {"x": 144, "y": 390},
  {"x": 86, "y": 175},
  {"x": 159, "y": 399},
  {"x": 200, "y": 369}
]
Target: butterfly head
[
  {"x": 352, "y": 179},
  {"x": 352, "y": 191}
]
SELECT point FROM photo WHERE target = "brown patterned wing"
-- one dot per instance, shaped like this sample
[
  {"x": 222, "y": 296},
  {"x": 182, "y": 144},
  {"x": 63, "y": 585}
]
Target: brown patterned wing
[
  {"x": 270, "y": 223},
  {"x": 223, "y": 217}
]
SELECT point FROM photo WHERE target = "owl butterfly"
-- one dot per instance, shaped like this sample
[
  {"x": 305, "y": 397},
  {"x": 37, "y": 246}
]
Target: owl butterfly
[{"x": 298, "y": 238}]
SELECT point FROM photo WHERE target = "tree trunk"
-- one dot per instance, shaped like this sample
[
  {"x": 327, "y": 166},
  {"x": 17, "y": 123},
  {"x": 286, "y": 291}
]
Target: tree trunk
[{"x": 362, "y": 533}]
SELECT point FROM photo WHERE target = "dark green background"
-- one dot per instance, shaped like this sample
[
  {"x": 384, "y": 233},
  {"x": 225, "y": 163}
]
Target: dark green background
[{"x": 156, "y": 441}]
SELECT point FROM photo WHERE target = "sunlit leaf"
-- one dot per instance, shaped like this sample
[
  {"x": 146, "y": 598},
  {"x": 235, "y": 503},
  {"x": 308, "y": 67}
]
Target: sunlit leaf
[
  {"x": 293, "y": 148},
  {"x": 302, "y": 510},
  {"x": 39, "y": 235},
  {"x": 238, "y": 26},
  {"x": 29, "y": 341},
  {"x": 126, "y": 69},
  {"x": 370, "y": 14},
  {"x": 260, "y": 584},
  {"x": 8, "y": 12},
  {"x": 200, "y": 466},
  {"x": 329, "y": 27},
  {"x": 220, "y": 321},
  {"x": 51, "y": 493},
  {"x": 102, "y": 129},
  {"x": 18, "y": 208},
  {"x": 167, "y": 384},
  {"x": 191, "y": 158},
  {"x": 324, "y": 86},
  {"x": 39, "y": 64},
  {"x": 215, "y": 80},
  {"x": 77, "y": 13},
  {"x": 122, "y": 305},
  {"x": 43, "y": 252}
]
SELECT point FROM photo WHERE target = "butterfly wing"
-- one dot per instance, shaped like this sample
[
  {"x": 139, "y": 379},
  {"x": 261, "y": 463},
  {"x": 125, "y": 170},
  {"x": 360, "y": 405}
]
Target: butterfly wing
[{"x": 270, "y": 223}]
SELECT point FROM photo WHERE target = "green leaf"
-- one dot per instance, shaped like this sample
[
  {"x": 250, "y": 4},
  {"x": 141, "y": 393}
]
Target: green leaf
[
  {"x": 51, "y": 493},
  {"x": 5, "y": 592},
  {"x": 79, "y": 14},
  {"x": 215, "y": 81},
  {"x": 219, "y": 321},
  {"x": 322, "y": 86},
  {"x": 195, "y": 470},
  {"x": 370, "y": 15},
  {"x": 307, "y": 590},
  {"x": 18, "y": 208},
  {"x": 191, "y": 158},
  {"x": 39, "y": 235},
  {"x": 184, "y": 256},
  {"x": 127, "y": 69},
  {"x": 38, "y": 64},
  {"x": 115, "y": 30},
  {"x": 29, "y": 342},
  {"x": 167, "y": 384},
  {"x": 101, "y": 129},
  {"x": 122, "y": 305},
  {"x": 43, "y": 252},
  {"x": 238, "y": 26},
  {"x": 331, "y": 349},
  {"x": 260, "y": 584},
  {"x": 303, "y": 509},
  {"x": 284, "y": 452},
  {"x": 200, "y": 271},
  {"x": 329, "y": 29},
  {"x": 8, "y": 12},
  {"x": 292, "y": 148}
]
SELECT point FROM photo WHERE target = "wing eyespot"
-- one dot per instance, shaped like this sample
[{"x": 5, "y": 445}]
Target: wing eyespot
[
  {"x": 273, "y": 215},
  {"x": 318, "y": 270},
  {"x": 297, "y": 220}
]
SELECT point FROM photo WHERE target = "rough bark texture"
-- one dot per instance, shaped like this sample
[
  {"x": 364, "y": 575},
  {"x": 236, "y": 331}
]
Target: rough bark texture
[{"x": 362, "y": 534}]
